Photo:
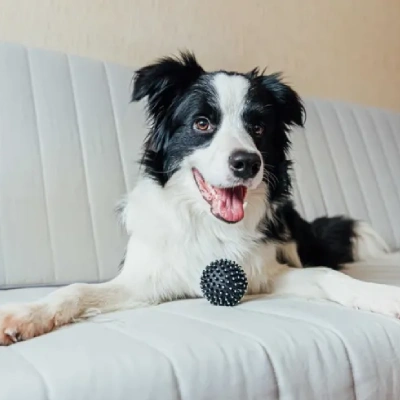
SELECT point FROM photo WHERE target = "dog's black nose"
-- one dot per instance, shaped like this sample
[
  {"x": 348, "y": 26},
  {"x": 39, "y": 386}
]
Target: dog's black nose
[{"x": 244, "y": 165}]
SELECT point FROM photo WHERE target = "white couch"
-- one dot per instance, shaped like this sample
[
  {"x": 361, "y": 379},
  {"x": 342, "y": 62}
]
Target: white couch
[{"x": 69, "y": 142}]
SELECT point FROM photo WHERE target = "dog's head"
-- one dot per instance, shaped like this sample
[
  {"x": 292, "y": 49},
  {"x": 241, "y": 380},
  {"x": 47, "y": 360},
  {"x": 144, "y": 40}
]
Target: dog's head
[{"x": 228, "y": 131}]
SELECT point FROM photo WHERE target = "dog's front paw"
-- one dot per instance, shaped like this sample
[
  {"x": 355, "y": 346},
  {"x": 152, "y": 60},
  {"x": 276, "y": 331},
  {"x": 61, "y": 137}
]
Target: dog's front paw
[{"x": 24, "y": 321}]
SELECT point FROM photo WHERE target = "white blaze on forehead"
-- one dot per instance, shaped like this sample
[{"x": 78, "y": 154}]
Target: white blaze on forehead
[
  {"x": 231, "y": 91},
  {"x": 231, "y": 135},
  {"x": 231, "y": 96}
]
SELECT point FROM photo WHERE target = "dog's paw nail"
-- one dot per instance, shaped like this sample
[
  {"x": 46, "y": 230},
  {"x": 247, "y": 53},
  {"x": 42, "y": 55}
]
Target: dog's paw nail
[{"x": 13, "y": 334}]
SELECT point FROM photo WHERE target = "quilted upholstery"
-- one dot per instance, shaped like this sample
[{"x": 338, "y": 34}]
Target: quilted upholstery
[
  {"x": 266, "y": 348},
  {"x": 347, "y": 162},
  {"x": 69, "y": 142},
  {"x": 65, "y": 160}
]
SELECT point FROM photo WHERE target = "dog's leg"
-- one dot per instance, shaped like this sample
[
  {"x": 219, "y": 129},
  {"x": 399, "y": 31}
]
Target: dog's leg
[
  {"x": 63, "y": 306},
  {"x": 325, "y": 283}
]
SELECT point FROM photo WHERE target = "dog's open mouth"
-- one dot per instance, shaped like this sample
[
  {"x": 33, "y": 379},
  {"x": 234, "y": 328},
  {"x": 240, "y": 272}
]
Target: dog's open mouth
[{"x": 226, "y": 203}]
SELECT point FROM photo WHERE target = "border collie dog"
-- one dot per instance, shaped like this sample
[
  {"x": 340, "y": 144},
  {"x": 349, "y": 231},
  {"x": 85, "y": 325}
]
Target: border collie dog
[{"x": 215, "y": 183}]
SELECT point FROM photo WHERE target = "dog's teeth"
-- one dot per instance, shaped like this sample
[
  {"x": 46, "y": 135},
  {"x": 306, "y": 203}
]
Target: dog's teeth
[{"x": 245, "y": 205}]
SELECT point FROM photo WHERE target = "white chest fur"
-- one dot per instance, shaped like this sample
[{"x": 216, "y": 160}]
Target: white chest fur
[{"x": 172, "y": 240}]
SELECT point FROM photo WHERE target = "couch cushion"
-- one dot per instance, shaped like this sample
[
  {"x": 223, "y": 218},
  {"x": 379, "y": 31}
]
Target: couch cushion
[
  {"x": 382, "y": 270},
  {"x": 265, "y": 348}
]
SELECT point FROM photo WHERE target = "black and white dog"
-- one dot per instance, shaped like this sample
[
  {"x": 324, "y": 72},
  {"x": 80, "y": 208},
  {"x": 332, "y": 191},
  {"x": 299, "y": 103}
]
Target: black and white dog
[{"x": 215, "y": 183}]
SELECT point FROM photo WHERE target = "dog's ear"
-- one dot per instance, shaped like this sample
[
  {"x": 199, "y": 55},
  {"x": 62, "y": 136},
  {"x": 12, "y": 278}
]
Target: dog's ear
[
  {"x": 163, "y": 81},
  {"x": 289, "y": 105}
]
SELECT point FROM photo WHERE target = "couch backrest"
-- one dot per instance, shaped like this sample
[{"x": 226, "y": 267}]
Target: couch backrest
[
  {"x": 69, "y": 145},
  {"x": 348, "y": 162},
  {"x": 65, "y": 161}
]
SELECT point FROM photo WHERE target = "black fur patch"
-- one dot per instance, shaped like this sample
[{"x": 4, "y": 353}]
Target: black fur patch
[
  {"x": 166, "y": 84},
  {"x": 327, "y": 241}
]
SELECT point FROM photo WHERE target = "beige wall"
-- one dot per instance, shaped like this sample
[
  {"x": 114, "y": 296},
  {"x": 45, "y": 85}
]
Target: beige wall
[{"x": 346, "y": 49}]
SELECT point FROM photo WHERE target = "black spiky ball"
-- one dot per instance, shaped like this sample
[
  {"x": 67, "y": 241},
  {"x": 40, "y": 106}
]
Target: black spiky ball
[{"x": 223, "y": 283}]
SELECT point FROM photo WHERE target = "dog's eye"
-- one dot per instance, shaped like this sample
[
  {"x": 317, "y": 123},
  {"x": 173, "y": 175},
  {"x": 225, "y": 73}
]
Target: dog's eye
[
  {"x": 203, "y": 125},
  {"x": 257, "y": 130}
]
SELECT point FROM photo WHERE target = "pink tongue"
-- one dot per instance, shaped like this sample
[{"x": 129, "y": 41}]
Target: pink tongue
[{"x": 228, "y": 204}]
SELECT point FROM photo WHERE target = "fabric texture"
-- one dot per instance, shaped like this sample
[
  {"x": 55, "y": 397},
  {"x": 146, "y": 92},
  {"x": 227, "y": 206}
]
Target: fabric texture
[
  {"x": 264, "y": 348},
  {"x": 65, "y": 161},
  {"x": 347, "y": 162}
]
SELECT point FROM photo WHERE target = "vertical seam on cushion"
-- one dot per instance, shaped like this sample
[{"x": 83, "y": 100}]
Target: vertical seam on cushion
[
  {"x": 333, "y": 158},
  {"x": 315, "y": 170},
  {"x": 384, "y": 152},
  {"x": 3, "y": 258},
  {"x": 316, "y": 324},
  {"x": 373, "y": 170},
  {"x": 389, "y": 121},
  {"x": 173, "y": 368},
  {"x": 32, "y": 365},
  {"x": 2, "y": 246},
  {"x": 398, "y": 148},
  {"x": 386, "y": 162},
  {"x": 301, "y": 205},
  {"x": 40, "y": 147},
  {"x": 347, "y": 147},
  {"x": 116, "y": 125},
  {"x": 89, "y": 203},
  {"x": 245, "y": 335},
  {"x": 393, "y": 133}
]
